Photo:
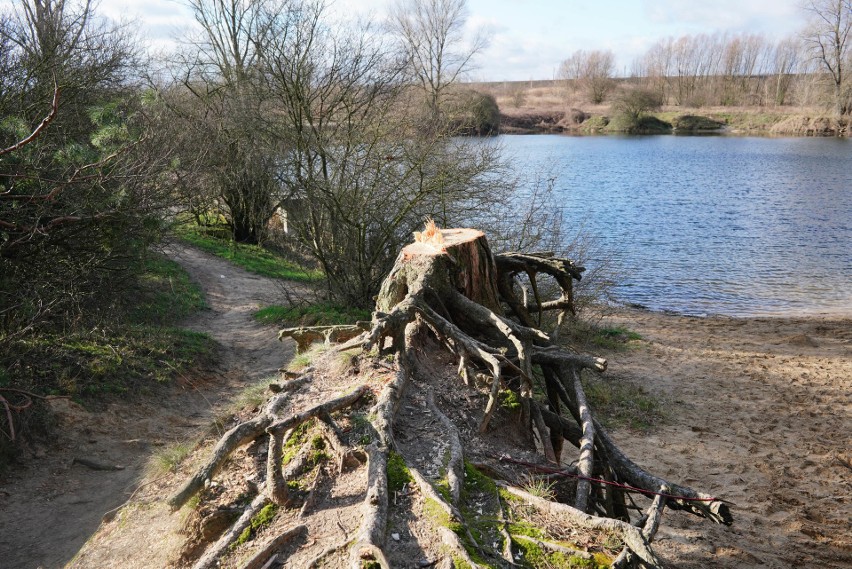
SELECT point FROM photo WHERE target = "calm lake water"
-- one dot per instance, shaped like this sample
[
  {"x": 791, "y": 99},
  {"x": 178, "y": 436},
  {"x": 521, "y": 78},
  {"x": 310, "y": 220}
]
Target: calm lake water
[{"x": 710, "y": 225}]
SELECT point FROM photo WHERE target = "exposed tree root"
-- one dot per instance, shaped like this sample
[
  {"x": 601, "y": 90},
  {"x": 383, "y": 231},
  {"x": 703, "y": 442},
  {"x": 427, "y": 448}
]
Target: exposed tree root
[
  {"x": 632, "y": 537},
  {"x": 211, "y": 556},
  {"x": 455, "y": 463},
  {"x": 448, "y": 536},
  {"x": 267, "y": 421},
  {"x": 455, "y": 290},
  {"x": 267, "y": 550},
  {"x": 307, "y": 335},
  {"x": 371, "y": 535}
]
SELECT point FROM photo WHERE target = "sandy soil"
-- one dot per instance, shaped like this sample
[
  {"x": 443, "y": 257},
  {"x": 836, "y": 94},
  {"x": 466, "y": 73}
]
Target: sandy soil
[
  {"x": 51, "y": 505},
  {"x": 759, "y": 412}
]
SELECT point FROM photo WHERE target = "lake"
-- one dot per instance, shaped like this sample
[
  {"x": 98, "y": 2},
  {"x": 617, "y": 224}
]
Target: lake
[{"x": 739, "y": 226}]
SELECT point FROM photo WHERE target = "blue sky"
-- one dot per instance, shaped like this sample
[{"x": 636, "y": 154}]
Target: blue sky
[{"x": 529, "y": 38}]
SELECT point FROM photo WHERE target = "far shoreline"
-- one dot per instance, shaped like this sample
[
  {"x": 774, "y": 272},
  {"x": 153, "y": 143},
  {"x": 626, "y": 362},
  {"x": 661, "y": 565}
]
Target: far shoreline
[{"x": 549, "y": 107}]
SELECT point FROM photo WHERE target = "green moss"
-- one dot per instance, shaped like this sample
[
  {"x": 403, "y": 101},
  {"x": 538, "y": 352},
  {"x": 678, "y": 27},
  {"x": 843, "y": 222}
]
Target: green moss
[
  {"x": 527, "y": 529},
  {"x": 398, "y": 474},
  {"x": 442, "y": 485},
  {"x": 509, "y": 400},
  {"x": 475, "y": 481},
  {"x": 261, "y": 519},
  {"x": 435, "y": 512},
  {"x": 460, "y": 563},
  {"x": 292, "y": 445},
  {"x": 532, "y": 555},
  {"x": 318, "y": 456}
]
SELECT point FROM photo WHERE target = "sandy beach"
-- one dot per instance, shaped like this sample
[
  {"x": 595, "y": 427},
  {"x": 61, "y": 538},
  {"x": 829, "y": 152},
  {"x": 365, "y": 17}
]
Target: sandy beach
[{"x": 759, "y": 412}]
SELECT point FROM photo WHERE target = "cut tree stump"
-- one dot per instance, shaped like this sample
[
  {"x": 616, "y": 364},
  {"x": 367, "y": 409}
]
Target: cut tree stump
[{"x": 449, "y": 285}]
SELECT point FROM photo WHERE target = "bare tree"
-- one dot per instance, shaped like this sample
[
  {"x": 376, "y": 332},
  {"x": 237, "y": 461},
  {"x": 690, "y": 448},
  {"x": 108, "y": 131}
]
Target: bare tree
[
  {"x": 361, "y": 171},
  {"x": 219, "y": 69},
  {"x": 828, "y": 36},
  {"x": 656, "y": 66},
  {"x": 786, "y": 61},
  {"x": 432, "y": 36},
  {"x": 591, "y": 71}
]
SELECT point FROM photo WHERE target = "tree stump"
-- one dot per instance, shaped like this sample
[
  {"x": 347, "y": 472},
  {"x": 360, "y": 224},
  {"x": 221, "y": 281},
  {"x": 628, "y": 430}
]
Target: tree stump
[{"x": 448, "y": 284}]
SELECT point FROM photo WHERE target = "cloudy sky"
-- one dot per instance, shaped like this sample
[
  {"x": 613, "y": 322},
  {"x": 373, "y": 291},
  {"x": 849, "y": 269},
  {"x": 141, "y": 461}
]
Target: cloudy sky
[{"x": 529, "y": 38}]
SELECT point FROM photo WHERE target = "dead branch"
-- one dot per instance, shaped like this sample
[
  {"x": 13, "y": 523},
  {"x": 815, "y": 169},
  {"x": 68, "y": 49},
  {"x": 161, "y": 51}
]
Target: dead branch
[
  {"x": 54, "y": 110},
  {"x": 587, "y": 445}
]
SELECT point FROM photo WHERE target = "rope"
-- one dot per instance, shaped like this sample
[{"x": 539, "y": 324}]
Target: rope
[{"x": 629, "y": 488}]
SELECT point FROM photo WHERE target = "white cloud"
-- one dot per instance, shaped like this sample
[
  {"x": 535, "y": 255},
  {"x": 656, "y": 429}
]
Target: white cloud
[{"x": 722, "y": 15}]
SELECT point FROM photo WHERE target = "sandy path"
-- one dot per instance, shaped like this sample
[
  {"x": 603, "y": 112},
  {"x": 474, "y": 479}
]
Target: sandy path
[
  {"x": 760, "y": 411},
  {"x": 50, "y": 506}
]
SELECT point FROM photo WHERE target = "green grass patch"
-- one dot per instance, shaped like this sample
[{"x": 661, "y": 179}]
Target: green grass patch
[
  {"x": 95, "y": 363},
  {"x": 252, "y": 258},
  {"x": 133, "y": 351},
  {"x": 620, "y": 403},
  {"x": 140, "y": 348},
  {"x": 305, "y": 359},
  {"x": 169, "y": 458},
  {"x": 165, "y": 294},
  {"x": 319, "y": 314},
  {"x": 613, "y": 338}
]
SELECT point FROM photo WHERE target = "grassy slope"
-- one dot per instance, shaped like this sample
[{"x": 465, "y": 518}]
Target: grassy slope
[
  {"x": 252, "y": 258},
  {"x": 140, "y": 347}
]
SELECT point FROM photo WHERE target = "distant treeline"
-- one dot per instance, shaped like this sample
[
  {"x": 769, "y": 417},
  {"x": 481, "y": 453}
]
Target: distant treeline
[{"x": 732, "y": 70}]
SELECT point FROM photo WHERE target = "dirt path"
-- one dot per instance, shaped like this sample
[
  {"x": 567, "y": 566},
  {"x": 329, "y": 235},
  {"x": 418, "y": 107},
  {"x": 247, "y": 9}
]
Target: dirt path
[{"x": 51, "y": 506}]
